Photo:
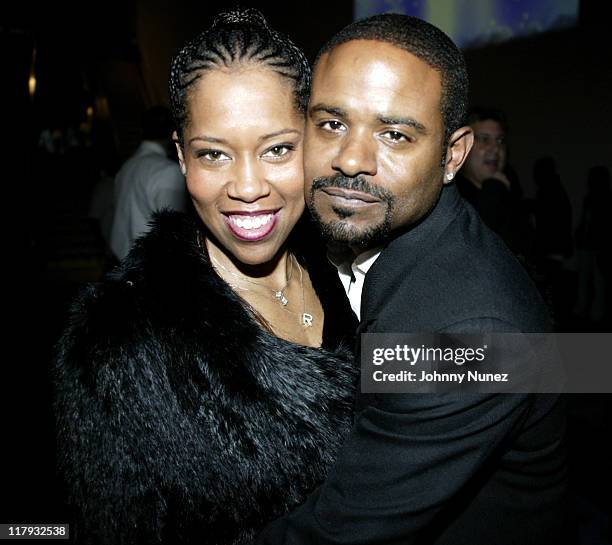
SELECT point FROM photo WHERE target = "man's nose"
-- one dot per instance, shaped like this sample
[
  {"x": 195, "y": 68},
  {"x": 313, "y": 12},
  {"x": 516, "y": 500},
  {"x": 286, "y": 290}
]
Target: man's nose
[
  {"x": 248, "y": 181},
  {"x": 357, "y": 155}
]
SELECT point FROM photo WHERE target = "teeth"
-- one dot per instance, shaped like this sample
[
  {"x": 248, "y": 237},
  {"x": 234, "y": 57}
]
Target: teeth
[{"x": 251, "y": 222}]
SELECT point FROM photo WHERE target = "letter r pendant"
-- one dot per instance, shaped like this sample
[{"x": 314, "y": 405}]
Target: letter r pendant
[{"x": 307, "y": 319}]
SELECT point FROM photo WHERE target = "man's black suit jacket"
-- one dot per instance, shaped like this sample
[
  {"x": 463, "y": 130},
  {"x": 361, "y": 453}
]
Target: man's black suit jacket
[{"x": 444, "y": 468}]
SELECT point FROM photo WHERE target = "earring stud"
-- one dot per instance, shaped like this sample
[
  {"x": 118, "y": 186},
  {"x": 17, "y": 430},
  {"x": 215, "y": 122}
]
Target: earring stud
[{"x": 450, "y": 176}]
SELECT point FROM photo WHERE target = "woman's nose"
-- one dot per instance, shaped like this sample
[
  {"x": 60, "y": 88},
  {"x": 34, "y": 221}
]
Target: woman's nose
[{"x": 248, "y": 181}]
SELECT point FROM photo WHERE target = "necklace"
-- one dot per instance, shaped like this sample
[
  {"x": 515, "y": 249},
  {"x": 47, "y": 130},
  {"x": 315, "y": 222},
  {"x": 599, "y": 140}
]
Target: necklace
[
  {"x": 278, "y": 294},
  {"x": 306, "y": 319}
]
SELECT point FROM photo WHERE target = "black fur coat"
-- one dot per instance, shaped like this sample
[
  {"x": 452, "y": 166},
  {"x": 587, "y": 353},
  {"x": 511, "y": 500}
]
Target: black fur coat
[{"x": 180, "y": 420}]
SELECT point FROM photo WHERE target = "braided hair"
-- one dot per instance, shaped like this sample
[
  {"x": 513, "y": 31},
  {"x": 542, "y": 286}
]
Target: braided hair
[{"x": 236, "y": 38}]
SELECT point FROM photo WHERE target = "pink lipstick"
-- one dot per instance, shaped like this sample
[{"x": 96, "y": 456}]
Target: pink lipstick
[{"x": 251, "y": 226}]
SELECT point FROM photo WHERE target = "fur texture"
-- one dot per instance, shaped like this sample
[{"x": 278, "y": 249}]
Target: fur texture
[{"x": 179, "y": 419}]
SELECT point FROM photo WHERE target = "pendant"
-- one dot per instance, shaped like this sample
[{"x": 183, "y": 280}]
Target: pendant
[
  {"x": 307, "y": 319},
  {"x": 281, "y": 297}
]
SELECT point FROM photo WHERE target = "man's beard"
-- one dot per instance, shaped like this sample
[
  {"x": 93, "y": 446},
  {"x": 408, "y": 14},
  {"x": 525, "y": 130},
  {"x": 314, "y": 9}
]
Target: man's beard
[{"x": 341, "y": 232}]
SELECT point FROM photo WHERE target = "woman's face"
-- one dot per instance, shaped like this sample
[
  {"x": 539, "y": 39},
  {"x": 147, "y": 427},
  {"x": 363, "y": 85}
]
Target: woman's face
[{"x": 243, "y": 160}]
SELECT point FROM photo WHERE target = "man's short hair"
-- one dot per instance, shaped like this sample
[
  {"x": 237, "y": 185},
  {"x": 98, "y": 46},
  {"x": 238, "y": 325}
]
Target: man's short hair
[
  {"x": 479, "y": 113},
  {"x": 426, "y": 42}
]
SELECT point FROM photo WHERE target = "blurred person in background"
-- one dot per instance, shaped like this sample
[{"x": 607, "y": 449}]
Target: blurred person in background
[
  {"x": 488, "y": 183},
  {"x": 148, "y": 181}
]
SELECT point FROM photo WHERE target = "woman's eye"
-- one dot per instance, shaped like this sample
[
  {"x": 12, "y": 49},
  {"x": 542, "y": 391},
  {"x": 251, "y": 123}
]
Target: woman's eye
[
  {"x": 334, "y": 126},
  {"x": 213, "y": 155},
  {"x": 395, "y": 136},
  {"x": 278, "y": 151}
]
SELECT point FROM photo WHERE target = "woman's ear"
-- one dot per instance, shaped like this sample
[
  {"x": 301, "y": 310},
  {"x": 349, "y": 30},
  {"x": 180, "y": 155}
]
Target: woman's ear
[
  {"x": 179, "y": 153},
  {"x": 459, "y": 146}
]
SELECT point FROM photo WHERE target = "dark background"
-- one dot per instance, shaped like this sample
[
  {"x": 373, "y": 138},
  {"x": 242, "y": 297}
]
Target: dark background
[{"x": 556, "y": 89}]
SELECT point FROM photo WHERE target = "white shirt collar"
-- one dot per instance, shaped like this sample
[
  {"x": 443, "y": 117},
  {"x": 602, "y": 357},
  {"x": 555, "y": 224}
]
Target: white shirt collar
[
  {"x": 352, "y": 275},
  {"x": 363, "y": 262}
]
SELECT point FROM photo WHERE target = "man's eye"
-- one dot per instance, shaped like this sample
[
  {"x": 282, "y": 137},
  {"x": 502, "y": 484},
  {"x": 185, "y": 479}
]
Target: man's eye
[
  {"x": 334, "y": 126},
  {"x": 395, "y": 136},
  {"x": 278, "y": 151}
]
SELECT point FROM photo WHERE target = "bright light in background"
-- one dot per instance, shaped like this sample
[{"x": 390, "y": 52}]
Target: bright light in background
[
  {"x": 32, "y": 78},
  {"x": 32, "y": 85},
  {"x": 475, "y": 23}
]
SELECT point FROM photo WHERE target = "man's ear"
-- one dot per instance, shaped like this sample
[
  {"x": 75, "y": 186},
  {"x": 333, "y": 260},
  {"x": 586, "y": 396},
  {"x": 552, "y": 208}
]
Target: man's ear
[
  {"x": 459, "y": 146},
  {"x": 179, "y": 153}
]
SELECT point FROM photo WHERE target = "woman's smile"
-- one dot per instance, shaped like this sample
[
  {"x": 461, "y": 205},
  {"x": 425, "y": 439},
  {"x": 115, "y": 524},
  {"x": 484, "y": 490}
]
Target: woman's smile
[{"x": 252, "y": 226}]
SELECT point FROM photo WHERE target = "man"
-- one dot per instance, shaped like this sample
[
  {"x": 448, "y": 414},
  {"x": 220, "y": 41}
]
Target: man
[
  {"x": 384, "y": 139},
  {"x": 147, "y": 181},
  {"x": 487, "y": 159},
  {"x": 483, "y": 182}
]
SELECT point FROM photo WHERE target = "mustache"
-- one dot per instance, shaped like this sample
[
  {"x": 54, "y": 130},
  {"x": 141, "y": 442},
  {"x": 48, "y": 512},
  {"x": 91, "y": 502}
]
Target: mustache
[{"x": 358, "y": 183}]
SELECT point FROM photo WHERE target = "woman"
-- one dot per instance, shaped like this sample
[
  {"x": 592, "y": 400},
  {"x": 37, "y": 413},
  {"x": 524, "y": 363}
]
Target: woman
[{"x": 194, "y": 401}]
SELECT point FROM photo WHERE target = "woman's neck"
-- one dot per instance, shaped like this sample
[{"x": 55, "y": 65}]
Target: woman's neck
[
  {"x": 280, "y": 292},
  {"x": 274, "y": 274}
]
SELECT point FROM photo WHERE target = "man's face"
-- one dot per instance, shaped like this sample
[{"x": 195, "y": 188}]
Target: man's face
[
  {"x": 488, "y": 156},
  {"x": 374, "y": 141}
]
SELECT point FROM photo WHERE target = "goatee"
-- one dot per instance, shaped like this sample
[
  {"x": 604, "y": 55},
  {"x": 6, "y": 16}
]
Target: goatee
[{"x": 342, "y": 232}]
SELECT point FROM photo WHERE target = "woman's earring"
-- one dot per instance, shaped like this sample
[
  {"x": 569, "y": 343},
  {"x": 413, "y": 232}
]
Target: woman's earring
[{"x": 450, "y": 176}]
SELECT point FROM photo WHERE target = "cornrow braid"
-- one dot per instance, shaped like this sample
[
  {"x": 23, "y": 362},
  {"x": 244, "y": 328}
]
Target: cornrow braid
[{"x": 236, "y": 37}]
